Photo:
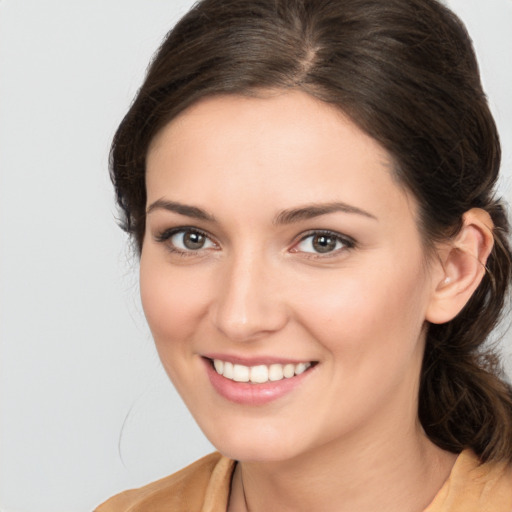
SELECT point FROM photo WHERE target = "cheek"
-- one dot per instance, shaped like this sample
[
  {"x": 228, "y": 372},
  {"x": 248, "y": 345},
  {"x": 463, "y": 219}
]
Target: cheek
[
  {"x": 365, "y": 312},
  {"x": 172, "y": 301}
]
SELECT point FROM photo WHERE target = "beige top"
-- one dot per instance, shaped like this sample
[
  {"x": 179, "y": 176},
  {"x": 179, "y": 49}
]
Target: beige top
[{"x": 204, "y": 487}]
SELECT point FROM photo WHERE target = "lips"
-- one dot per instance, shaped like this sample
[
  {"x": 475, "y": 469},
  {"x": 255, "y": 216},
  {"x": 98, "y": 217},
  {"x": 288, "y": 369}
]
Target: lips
[{"x": 255, "y": 382}]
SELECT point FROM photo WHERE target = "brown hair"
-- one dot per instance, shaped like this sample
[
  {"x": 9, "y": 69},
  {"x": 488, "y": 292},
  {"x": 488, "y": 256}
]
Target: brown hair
[{"x": 406, "y": 73}]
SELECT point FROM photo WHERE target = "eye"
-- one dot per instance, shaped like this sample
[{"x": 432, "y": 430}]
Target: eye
[
  {"x": 186, "y": 240},
  {"x": 323, "y": 242}
]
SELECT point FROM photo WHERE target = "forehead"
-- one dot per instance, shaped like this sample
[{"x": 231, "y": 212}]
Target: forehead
[
  {"x": 285, "y": 148},
  {"x": 275, "y": 119}
]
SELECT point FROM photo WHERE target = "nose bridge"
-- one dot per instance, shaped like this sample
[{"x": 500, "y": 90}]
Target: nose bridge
[{"x": 248, "y": 303}]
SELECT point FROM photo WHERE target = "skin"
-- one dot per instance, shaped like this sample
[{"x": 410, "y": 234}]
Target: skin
[{"x": 348, "y": 437}]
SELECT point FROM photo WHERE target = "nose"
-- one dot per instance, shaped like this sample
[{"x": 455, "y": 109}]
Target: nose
[{"x": 249, "y": 303}]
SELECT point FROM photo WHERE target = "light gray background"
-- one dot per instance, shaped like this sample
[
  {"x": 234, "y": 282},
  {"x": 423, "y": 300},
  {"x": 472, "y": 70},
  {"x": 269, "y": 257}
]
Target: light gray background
[{"x": 86, "y": 410}]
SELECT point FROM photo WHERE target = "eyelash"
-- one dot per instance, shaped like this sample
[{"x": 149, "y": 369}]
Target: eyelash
[
  {"x": 347, "y": 242},
  {"x": 165, "y": 236}
]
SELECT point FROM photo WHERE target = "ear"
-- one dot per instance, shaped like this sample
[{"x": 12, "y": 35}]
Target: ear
[{"x": 461, "y": 266}]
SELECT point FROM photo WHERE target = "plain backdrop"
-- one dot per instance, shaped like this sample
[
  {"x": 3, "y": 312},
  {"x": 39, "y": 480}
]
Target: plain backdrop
[{"x": 86, "y": 410}]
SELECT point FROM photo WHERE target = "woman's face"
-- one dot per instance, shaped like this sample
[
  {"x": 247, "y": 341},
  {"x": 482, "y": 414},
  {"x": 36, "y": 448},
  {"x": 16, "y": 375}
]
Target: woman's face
[{"x": 280, "y": 249}]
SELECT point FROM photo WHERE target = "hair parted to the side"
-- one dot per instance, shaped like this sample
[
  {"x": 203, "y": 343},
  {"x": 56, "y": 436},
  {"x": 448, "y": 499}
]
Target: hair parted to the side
[{"x": 406, "y": 73}]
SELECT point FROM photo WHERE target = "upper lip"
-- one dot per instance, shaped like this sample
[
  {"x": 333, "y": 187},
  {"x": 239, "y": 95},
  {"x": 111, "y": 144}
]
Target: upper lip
[{"x": 256, "y": 360}]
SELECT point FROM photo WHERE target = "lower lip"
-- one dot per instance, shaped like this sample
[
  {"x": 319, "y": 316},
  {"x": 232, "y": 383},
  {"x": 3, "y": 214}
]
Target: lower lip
[{"x": 246, "y": 393}]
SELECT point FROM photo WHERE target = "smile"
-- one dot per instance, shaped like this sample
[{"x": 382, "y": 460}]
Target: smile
[
  {"x": 257, "y": 382},
  {"x": 258, "y": 374}
]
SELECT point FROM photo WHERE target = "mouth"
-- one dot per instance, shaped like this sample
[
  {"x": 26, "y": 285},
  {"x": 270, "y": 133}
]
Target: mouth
[
  {"x": 260, "y": 373},
  {"x": 256, "y": 382}
]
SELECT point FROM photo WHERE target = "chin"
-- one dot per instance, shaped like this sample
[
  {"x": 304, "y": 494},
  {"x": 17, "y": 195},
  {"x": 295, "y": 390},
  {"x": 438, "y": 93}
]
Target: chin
[
  {"x": 259, "y": 444},
  {"x": 256, "y": 453}
]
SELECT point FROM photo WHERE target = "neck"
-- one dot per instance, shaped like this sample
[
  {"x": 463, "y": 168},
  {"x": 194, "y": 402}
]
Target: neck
[{"x": 399, "y": 470}]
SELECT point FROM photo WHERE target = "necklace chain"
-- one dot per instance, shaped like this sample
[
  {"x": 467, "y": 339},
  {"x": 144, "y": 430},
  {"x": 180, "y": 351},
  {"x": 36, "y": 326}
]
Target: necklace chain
[{"x": 243, "y": 490}]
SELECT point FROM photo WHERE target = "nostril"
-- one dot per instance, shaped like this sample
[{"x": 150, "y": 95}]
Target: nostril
[{"x": 248, "y": 322}]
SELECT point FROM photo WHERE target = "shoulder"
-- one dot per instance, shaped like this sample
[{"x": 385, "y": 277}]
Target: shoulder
[
  {"x": 474, "y": 487},
  {"x": 208, "y": 478}
]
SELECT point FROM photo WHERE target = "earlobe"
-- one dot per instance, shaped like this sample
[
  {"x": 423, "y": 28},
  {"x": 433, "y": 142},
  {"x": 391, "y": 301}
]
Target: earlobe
[{"x": 462, "y": 263}]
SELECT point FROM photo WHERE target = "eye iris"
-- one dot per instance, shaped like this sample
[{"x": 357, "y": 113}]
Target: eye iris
[
  {"x": 324, "y": 243},
  {"x": 193, "y": 241}
]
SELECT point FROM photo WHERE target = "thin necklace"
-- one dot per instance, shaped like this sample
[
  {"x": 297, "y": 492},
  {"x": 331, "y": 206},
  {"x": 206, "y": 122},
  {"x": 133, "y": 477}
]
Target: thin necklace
[{"x": 243, "y": 490}]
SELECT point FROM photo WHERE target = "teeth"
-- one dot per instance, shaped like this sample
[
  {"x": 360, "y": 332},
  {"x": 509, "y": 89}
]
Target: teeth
[
  {"x": 258, "y": 374},
  {"x": 289, "y": 370},
  {"x": 228, "y": 370},
  {"x": 301, "y": 368},
  {"x": 219, "y": 366},
  {"x": 275, "y": 372},
  {"x": 240, "y": 373}
]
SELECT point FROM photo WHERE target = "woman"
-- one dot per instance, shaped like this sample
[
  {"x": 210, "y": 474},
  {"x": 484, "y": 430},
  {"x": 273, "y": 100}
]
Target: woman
[{"x": 310, "y": 186}]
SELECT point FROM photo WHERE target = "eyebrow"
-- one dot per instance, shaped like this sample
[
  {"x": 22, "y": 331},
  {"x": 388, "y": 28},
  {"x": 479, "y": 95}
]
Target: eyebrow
[
  {"x": 316, "y": 210},
  {"x": 182, "y": 209},
  {"x": 285, "y": 217}
]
